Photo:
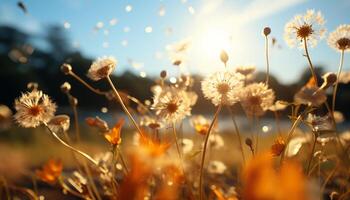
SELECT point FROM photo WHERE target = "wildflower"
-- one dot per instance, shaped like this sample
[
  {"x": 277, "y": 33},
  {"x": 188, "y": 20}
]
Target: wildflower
[
  {"x": 66, "y": 87},
  {"x": 340, "y": 38},
  {"x": 222, "y": 87},
  {"x": 310, "y": 95},
  {"x": 246, "y": 70},
  {"x": 101, "y": 68},
  {"x": 216, "y": 141},
  {"x": 231, "y": 194},
  {"x": 278, "y": 147},
  {"x": 187, "y": 145},
  {"x": 113, "y": 136},
  {"x": 200, "y": 124},
  {"x": 216, "y": 167},
  {"x": 50, "y": 171},
  {"x": 173, "y": 104},
  {"x": 152, "y": 147},
  {"x": 309, "y": 27},
  {"x": 151, "y": 122},
  {"x": 98, "y": 123},
  {"x": 34, "y": 108},
  {"x": 262, "y": 181},
  {"x": 59, "y": 123},
  {"x": 278, "y": 105},
  {"x": 256, "y": 98}
]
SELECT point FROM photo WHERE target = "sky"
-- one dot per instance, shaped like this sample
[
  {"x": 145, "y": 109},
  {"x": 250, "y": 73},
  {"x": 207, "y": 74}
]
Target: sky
[{"x": 138, "y": 33}]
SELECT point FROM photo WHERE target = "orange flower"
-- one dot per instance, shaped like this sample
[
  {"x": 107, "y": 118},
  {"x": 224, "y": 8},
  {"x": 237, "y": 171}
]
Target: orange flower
[
  {"x": 50, "y": 171},
  {"x": 278, "y": 147},
  {"x": 219, "y": 194},
  {"x": 113, "y": 136},
  {"x": 152, "y": 147},
  {"x": 262, "y": 181},
  {"x": 202, "y": 128}
]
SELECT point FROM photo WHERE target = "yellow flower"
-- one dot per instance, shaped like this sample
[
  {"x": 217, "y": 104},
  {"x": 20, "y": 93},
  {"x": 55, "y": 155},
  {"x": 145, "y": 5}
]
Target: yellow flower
[{"x": 113, "y": 136}]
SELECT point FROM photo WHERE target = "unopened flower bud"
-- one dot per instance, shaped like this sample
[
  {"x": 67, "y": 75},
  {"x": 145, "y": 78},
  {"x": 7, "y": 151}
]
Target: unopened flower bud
[
  {"x": 248, "y": 142},
  {"x": 32, "y": 86},
  {"x": 223, "y": 57},
  {"x": 267, "y": 31},
  {"x": 66, "y": 68},
  {"x": 329, "y": 79},
  {"x": 163, "y": 74},
  {"x": 65, "y": 87}
]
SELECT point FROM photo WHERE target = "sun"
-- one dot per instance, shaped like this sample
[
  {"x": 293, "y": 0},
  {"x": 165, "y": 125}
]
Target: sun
[{"x": 214, "y": 40}]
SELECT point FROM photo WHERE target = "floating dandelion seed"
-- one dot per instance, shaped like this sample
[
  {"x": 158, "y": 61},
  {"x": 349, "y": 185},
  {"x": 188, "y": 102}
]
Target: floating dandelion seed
[
  {"x": 124, "y": 43},
  {"x": 148, "y": 29},
  {"x": 66, "y": 25},
  {"x": 106, "y": 32},
  {"x": 216, "y": 167},
  {"x": 265, "y": 129},
  {"x": 105, "y": 45},
  {"x": 161, "y": 11},
  {"x": 191, "y": 10},
  {"x": 128, "y": 8},
  {"x": 99, "y": 25},
  {"x": 143, "y": 74},
  {"x": 126, "y": 29},
  {"x": 104, "y": 110},
  {"x": 113, "y": 21},
  {"x": 173, "y": 80}
]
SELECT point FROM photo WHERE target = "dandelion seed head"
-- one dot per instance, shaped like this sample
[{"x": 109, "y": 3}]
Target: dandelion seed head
[
  {"x": 340, "y": 38},
  {"x": 256, "y": 98},
  {"x": 59, "y": 123},
  {"x": 66, "y": 87},
  {"x": 216, "y": 167},
  {"x": 66, "y": 68},
  {"x": 222, "y": 87},
  {"x": 309, "y": 27},
  {"x": 101, "y": 68},
  {"x": 34, "y": 108}
]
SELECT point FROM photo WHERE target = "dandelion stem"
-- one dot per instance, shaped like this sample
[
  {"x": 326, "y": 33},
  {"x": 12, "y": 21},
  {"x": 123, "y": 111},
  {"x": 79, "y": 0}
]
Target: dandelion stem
[
  {"x": 122, "y": 160},
  {"x": 267, "y": 60},
  {"x": 204, "y": 151},
  {"x": 97, "y": 91},
  {"x": 337, "y": 81},
  {"x": 277, "y": 120},
  {"x": 238, "y": 134},
  {"x": 312, "y": 69},
  {"x": 312, "y": 153},
  {"x": 177, "y": 146},
  {"x": 124, "y": 107},
  {"x": 70, "y": 147},
  {"x": 76, "y": 120}
]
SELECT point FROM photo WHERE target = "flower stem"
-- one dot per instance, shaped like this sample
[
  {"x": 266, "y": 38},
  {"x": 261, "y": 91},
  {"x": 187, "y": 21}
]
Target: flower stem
[
  {"x": 311, "y": 154},
  {"x": 238, "y": 134},
  {"x": 312, "y": 69},
  {"x": 70, "y": 147},
  {"x": 267, "y": 60},
  {"x": 178, "y": 148},
  {"x": 204, "y": 151},
  {"x": 337, "y": 81},
  {"x": 123, "y": 106}
]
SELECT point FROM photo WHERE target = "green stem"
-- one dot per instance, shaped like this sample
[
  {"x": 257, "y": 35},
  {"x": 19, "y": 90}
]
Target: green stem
[{"x": 204, "y": 151}]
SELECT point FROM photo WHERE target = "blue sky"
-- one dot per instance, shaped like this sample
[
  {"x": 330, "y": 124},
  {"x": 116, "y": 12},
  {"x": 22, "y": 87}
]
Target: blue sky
[{"x": 205, "y": 22}]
